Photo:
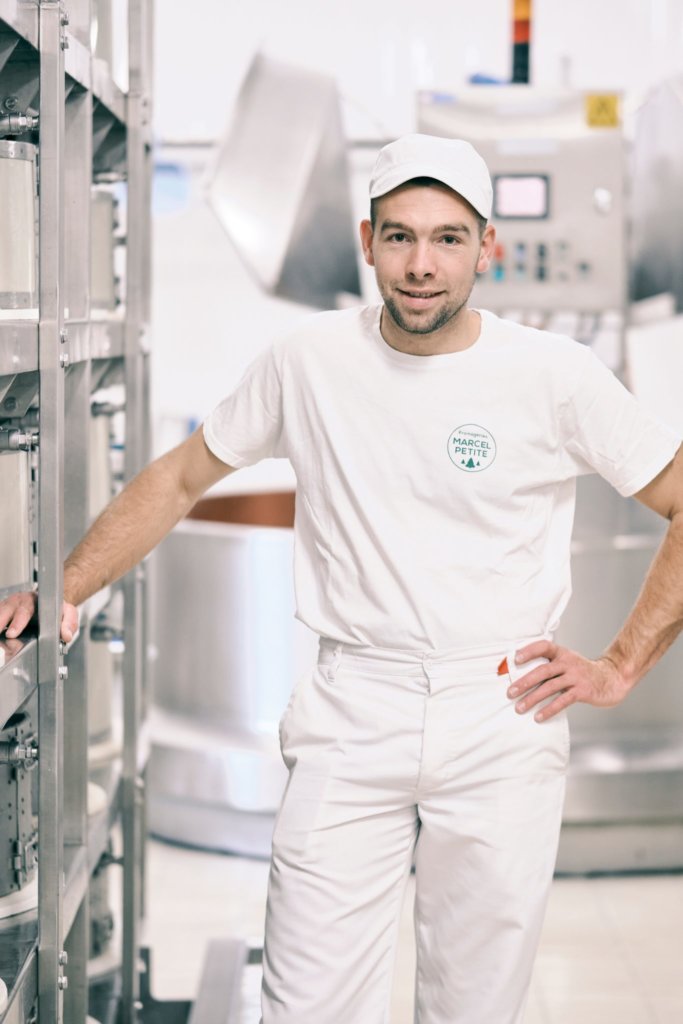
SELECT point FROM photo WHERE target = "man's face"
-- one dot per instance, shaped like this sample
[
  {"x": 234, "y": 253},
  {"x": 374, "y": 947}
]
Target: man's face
[{"x": 426, "y": 251}]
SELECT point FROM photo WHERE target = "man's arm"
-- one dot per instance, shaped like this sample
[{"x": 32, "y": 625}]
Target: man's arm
[
  {"x": 128, "y": 528},
  {"x": 655, "y": 621}
]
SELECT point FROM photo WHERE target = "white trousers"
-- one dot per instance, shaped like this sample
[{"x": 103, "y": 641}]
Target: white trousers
[{"x": 397, "y": 758}]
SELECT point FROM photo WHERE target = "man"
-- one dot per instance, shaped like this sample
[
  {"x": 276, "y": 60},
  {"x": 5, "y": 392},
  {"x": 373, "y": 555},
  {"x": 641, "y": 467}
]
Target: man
[{"x": 436, "y": 449}]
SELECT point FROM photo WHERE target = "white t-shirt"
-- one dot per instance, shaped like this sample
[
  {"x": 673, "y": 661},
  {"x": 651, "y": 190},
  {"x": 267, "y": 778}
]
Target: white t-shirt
[{"x": 435, "y": 494}]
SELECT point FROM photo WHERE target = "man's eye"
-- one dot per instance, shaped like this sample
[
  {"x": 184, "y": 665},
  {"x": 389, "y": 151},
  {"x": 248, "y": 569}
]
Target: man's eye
[
  {"x": 450, "y": 239},
  {"x": 398, "y": 236}
]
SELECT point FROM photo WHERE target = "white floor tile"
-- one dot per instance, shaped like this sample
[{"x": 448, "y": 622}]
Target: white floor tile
[
  {"x": 668, "y": 1009},
  {"x": 610, "y": 1009}
]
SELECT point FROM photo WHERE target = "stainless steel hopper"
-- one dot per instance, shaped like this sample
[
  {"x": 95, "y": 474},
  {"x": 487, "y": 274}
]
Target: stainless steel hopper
[{"x": 281, "y": 185}]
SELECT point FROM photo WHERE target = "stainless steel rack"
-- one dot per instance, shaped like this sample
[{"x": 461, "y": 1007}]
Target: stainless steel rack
[{"x": 86, "y": 129}]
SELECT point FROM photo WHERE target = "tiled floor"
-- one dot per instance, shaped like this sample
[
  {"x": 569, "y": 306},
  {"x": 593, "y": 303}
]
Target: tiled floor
[{"x": 612, "y": 948}]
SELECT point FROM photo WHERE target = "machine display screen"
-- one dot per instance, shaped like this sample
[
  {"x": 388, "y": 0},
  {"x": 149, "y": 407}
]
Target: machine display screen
[{"x": 524, "y": 196}]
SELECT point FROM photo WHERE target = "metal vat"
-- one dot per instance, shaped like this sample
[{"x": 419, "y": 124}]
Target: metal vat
[{"x": 229, "y": 651}]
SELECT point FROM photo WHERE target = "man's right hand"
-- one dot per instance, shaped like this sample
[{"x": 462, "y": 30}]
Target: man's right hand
[
  {"x": 17, "y": 610},
  {"x": 124, "y": 532}
]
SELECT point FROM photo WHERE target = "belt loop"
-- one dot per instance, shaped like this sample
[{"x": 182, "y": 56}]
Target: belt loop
[
  {"x": 334, "y": 664},
  {"x": 426, "y": 666}
]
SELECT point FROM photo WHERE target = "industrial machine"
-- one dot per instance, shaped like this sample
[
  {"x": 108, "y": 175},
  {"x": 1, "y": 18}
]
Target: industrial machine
[
  {"x": 215, "y": 772},
  {"x": 558, "y": 193},
  {"x": 282, "y": 168},
  {"x": 558, "y": 161},
  {"x": 558, "y": 166}
]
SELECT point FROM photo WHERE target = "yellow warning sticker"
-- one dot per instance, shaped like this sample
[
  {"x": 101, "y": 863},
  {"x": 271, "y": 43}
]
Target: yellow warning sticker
[{"x": 602, "y": 110}]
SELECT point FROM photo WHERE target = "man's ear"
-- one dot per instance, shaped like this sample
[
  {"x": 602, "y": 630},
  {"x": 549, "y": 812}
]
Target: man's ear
[
  {"x": 487, "y": 245},
  {"x": 366, "y": 235}
]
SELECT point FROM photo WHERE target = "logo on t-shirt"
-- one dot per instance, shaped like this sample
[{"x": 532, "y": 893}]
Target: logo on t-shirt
[{"x": 471, "y": 448}]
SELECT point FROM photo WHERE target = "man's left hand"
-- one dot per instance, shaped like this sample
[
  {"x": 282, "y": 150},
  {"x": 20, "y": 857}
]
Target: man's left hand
[{"x": 566, "y": 679}]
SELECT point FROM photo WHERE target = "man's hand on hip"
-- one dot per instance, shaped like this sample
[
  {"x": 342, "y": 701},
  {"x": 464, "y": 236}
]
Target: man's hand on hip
[{"x": 567, "y": 678}]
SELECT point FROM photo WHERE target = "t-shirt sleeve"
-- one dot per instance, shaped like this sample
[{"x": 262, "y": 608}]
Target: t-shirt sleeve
[
  {"x": 608, "y": 431},
  {"x": 247, "y": 426}
]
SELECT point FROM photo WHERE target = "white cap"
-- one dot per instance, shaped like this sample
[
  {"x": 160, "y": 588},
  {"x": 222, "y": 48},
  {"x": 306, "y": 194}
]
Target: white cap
[{"x": 451, "y": 161}]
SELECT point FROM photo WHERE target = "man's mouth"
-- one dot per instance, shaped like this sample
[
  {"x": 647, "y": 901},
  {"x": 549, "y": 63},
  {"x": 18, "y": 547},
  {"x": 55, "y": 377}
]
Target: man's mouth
[{"x": 419, "y": 295}]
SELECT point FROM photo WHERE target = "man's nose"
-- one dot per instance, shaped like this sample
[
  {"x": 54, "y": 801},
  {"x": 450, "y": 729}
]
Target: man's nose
[{"x": 421, "y": 261}]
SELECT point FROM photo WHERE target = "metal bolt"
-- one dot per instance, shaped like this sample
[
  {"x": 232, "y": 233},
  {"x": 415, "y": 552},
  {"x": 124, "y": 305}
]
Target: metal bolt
[
  {"x": 65, "y": 42},
  {"x": 11, "y": 102},
  {"x": 63, "y": 958},
  {"x": 63, "y": 335},
  {"x": 65, "y": 18},
  {"x": 62, "y": 982},
  {"x": 64, "y": 360},
  {"x": 63, "y": 672}
]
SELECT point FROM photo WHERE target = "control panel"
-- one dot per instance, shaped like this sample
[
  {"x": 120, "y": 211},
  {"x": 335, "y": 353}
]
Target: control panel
[{"x": 558, "y": 194}]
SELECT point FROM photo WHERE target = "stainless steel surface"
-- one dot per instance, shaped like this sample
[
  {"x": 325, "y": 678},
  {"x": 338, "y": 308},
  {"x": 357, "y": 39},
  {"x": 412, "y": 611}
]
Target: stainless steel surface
[
  {"x": 51, "y": 504},
  {"x": 77, "y": 185},
  {"x": 281, "y": 185},
  {"x": 12, "y": 440},
  {"x": 136, "y": 455},
  {"x": 100, "y": 688},
  {"x": 102, "y": 283},
  {"x": 18, "y": 673},
  {"x": 18, "y": 288},
  {"x": 595, "y": 848},
  {"x": 23, "y": 19},
  {"x": 212, "y": 787},
  {"x": 103, "y": 36},
  {"x": 101, "y": 917},
  {"x": 100, "y": 484},
  {"x": 215, "y": 774},
  {"x": 626, "y": 769},
  {"x": 208, "y": 826},
  {"x": 75, "y": 882},
  {"x": 76, "y": 491},
  {"x": 75, "y": 966},
  {"x": 18, "y": 348},
  {"x": 231, "y": 659},
  {"x": 17, "y": 124},
  {"x": 19, "y": 393},
  {"x": 656, "y": 251},
  {"x": 77, "y": 61},
  {"x": 106, "y": 340},
  {"x": 15, "y": 535}
]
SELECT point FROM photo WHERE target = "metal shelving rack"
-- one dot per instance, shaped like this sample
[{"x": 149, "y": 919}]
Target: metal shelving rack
[{"x": 88, "y": 130}]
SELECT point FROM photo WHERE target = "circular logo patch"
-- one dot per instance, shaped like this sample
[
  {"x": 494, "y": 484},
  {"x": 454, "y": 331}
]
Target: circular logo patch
[{"x": 471, "y": 448}]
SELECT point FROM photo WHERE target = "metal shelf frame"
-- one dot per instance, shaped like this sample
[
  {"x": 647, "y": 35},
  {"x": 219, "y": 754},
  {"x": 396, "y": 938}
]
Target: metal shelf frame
[{"x": 89, "y": 130}]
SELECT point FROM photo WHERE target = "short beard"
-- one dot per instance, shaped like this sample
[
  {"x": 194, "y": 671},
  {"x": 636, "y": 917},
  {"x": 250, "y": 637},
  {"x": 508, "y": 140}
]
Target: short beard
[{"x": 440, "y": 319}]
